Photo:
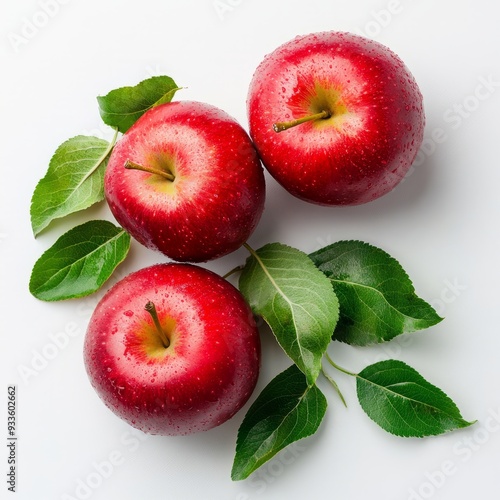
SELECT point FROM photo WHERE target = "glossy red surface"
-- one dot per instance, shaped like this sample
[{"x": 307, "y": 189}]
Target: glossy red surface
[
  {"x": 217, "y": 197},
  {"x": 202, "y": 378},
  {"x": 376, "y": 123}
]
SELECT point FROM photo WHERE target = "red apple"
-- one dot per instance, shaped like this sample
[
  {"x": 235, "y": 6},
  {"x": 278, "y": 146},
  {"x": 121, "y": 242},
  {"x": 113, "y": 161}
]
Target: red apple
[
  {"x": 336, "y": 118},
  {"x": 185, "y": 179},
  {"x": 173, "y": 349}
]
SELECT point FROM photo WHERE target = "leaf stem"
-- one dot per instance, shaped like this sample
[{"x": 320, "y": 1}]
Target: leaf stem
[
  {"x": 281, "y": 126},
  {"x": 339, "y": 368},
  {"x": 233, "y": 271},
  {"x": 250, "y": 249},
  {"x": 334, "y": 385},
  {"x": 151, "y": 309}
]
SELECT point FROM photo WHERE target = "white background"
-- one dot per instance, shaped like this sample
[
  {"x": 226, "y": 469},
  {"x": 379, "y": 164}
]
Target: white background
[{"x": 441, "y": 223}]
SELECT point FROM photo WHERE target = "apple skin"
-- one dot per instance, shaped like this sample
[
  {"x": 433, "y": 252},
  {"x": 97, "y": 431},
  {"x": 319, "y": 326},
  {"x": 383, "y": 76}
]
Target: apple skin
[
  {"x": 376, "y": 124},
  {"x": 217, "y": 197},
  {"x": 202, "y": 378}
]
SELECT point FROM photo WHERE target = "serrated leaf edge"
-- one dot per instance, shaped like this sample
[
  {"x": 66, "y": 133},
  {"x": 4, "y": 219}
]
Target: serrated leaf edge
[
  {"x": 378, "y": 292},
  {"x": 393, "y": 261},
  {"x": 142, "y": 110},
  {"x": 310, "y": 376},
  {"x": 246, "y": 471},
  {"x": 59, "y": 275},
  {"x": 36, "y": 231},
  {"x": 440, "y": 391},
  {"x": 265, "y": 444}
]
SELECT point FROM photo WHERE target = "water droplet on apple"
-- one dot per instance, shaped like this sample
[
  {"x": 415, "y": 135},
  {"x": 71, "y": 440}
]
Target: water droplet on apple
[{"x": 129, "y": 313}]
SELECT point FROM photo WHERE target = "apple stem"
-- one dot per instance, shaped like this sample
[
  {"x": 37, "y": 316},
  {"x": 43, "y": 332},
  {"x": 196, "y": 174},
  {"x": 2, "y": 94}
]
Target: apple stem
[
  {"x": 280, "y": 126},
  {"x": 151, "y": 309},
  {"x": 151, "y": 170}
]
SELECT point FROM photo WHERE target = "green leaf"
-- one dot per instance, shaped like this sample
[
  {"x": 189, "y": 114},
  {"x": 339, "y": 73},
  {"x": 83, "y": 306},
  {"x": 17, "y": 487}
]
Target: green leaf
[
  {"x": 74, "y": 180},
  {"x": 377, "y": 299},
  {"x": 288, "y": 409},
  {"x": 282, "y": 285},
  {"x": 79, "y": 262},
  {"x": 122, "y": 107},
  {"x": 402, "y": 402}
]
